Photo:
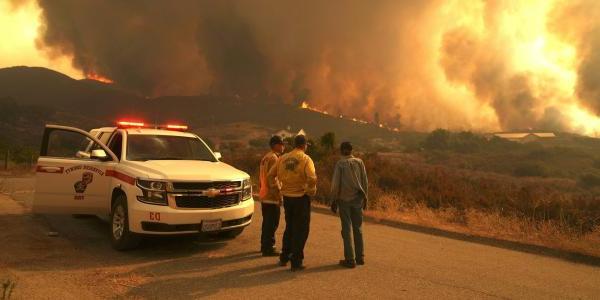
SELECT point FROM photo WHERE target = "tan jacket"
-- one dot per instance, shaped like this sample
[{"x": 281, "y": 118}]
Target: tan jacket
[
  {"x": 267, "y": 194},
  {"x": 295, "y": 171}
]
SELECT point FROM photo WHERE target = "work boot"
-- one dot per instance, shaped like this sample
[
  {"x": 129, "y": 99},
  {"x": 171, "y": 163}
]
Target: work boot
[
  {"x": 283, "y": 259},
  {"x": 270, "y": 252},
  {"x": 350, "y": 264},
  {"x": 297, "y": 267},
  {"x": 360, "y": 261}
]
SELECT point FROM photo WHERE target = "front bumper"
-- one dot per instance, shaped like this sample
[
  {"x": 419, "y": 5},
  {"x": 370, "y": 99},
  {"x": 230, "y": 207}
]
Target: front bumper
[{"x": 164, "y": 220}]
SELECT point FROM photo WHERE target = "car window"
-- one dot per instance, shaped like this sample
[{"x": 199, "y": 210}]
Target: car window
[
  {"x": 143, "y": 147},
  {"x": 93, "y": 145},
  {"x": 68, "y": 144},
  {"x": 116, "y": 144},
  {"x": 104, "y": 137}
]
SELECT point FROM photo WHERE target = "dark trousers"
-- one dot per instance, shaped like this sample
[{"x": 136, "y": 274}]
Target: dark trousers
[
  {"x": 270, "y": 222},
  {"x": 297, "y": 225},
  {"x": 351, "y": 217}
]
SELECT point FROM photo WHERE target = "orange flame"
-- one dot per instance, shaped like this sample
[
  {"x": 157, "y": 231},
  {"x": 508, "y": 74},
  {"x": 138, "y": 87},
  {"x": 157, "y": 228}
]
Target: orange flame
[
  {"x": 98, "y": 77},
  {"x": 305, "y": 105}
]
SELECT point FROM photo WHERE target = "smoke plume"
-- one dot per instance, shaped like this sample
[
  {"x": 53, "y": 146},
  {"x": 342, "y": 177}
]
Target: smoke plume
[
  {"x": 483, "y": 65},
  {"x": 578, "y": 22}
]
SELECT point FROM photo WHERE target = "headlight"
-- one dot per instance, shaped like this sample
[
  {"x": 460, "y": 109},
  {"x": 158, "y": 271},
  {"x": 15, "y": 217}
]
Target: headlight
[
  {"x": 152, "y": 185},
  {"x": 246, "y": 189},
  {"x": 154, "y": 192}
]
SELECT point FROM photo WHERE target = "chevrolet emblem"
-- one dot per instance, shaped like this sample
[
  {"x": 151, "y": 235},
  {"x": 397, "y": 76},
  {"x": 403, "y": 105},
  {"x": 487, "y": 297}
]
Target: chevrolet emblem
[{"x": 211, "y": 193}]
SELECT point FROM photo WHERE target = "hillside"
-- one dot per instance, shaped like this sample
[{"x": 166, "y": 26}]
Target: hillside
[
  {"x": 33, "y": 96},
  {"x": 43, "y": 87}
]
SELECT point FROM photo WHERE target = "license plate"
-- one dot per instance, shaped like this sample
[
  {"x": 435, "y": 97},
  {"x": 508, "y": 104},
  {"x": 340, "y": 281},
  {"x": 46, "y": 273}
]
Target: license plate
[{"x": 211, "y": 225}]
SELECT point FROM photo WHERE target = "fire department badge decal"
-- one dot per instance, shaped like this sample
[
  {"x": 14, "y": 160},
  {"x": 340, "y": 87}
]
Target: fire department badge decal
[{"x": 86, "y": 178}]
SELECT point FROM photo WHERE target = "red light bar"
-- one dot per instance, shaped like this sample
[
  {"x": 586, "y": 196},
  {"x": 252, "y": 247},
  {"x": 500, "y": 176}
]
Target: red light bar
[
  {"x": 177, "y": 127},
  {"x": 126, "y": 124}
]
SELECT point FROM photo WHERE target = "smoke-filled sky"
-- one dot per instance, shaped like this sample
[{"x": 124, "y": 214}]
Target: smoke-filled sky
[{"x": 477, "y": 64}]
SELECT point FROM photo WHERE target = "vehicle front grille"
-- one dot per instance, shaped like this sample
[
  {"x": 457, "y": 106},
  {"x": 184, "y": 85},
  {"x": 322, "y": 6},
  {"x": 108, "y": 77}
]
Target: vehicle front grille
[
  {"x": 207, "y": 202},
  {"x": 219, "y": 185}
]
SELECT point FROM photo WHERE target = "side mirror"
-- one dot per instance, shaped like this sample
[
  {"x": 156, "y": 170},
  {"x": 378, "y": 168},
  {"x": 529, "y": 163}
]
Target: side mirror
[
  {"x": 218, "y": 155},
  {"x": 82, "y": 154},
  {"x": 99, "y": 154}
]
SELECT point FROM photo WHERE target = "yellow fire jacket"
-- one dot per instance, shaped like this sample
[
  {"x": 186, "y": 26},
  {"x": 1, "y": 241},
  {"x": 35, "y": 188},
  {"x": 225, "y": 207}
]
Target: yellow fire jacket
[
  {"x": 295, "y": 171},
  {"x": 267, "y": 194}
]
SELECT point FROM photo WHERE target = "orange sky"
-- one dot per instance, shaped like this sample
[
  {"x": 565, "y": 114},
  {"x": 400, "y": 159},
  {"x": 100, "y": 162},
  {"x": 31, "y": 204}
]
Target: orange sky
[
  {"x": 549, "y": 62},
  {"x": 19, "y": 28}
]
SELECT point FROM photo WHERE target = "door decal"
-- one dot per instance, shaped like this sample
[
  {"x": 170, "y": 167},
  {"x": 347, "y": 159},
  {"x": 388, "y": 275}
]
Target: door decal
[
  {"x": 84, "y": 167},
  {"x": 81, "y": 186},
  {"x": 86, "y": 178}
]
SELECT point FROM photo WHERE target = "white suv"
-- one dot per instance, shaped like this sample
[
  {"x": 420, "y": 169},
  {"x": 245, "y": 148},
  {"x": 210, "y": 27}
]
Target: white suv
[{"x": 156, "y": 181}]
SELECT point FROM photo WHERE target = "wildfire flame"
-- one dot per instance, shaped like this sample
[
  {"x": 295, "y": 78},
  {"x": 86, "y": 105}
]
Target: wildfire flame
[
  {"x": 477, "y": 65},
  {"x": 306, "y": 106},
  {"x": 98, "y": 77}
]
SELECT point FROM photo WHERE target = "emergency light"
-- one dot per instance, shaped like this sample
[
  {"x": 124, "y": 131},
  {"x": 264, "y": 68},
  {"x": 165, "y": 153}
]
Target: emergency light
[
  {"x": 136, "y": 124},
  {"x": 129, "y": 124},
  {"x": 176, "y": 127}
]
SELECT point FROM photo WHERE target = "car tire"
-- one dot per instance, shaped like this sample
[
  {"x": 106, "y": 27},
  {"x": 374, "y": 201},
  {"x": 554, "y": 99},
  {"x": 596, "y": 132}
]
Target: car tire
[
  {"x": 120, "y": 236},
  {"x": 228, "y": 234}
]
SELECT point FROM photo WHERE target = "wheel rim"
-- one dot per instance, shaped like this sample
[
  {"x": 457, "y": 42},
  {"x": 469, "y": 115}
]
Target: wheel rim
[{"x": 118, "y": 223}]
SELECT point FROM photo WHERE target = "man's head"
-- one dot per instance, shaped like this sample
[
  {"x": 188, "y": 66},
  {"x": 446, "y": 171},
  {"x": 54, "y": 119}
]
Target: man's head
[
  {"x": 346, "y": 148},
  {"x": 300, "y": 142},
  {"x": 276, "y": 144}
]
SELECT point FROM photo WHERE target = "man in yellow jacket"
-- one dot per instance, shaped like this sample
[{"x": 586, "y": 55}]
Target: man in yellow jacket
[
  {"x": 270, "y": 198},
  {"x": 295, "y": 172}
]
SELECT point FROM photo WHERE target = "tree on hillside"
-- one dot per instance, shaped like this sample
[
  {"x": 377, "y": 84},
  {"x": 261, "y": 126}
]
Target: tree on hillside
[
  {"x": 328, "y": 141},
  {"x": 437, "y": 140}
]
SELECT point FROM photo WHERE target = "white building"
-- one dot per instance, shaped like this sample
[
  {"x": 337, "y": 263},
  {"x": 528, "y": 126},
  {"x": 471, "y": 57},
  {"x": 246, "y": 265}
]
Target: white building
[{"x": 525, "y": 137}]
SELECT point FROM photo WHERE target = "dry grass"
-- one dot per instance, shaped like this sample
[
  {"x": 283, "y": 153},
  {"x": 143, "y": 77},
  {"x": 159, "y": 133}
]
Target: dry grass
[
  {"x": 493, "y": 225},
  {"x": 550, "y": 212}
]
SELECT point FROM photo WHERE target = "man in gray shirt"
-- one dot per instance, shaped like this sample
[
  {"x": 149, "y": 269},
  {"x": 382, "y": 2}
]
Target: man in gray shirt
[{"x": 349, "y": 190}]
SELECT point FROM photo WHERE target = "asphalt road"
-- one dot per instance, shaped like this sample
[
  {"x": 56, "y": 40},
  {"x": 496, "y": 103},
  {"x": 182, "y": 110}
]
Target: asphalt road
[{"x": 80, "y": 264}]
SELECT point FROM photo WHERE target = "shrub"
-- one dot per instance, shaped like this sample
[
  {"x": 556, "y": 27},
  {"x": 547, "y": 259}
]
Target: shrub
[
  {"x": 589, "y": 180},
  {"x": 437, "y": 140},
  {"x": 596, "y": 163},
  {"x": 411, "y": 184},
  {"x": 328, "y": 141},
  {"x": 530, "y": 170},
  {"x": 259, "y": 143}
]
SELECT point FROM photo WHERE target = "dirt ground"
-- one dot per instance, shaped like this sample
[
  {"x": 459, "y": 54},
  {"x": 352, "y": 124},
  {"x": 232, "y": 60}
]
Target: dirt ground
[{"x": 78, "y": 263}]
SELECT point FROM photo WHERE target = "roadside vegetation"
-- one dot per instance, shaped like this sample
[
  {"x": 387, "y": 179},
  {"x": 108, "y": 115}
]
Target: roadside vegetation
[
  {"x": 540, "y": 193},
  {"x": 545, "y": 193}
]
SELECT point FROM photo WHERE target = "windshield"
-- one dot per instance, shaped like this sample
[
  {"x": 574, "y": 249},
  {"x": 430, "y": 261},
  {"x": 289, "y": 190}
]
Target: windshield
[{"x": 165, "y": 147}]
